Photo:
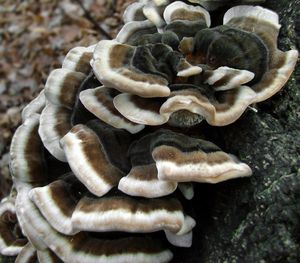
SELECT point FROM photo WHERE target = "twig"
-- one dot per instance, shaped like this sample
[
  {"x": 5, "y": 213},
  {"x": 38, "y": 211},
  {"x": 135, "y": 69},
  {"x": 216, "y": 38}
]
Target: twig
[{"x": 92, "y": 20}]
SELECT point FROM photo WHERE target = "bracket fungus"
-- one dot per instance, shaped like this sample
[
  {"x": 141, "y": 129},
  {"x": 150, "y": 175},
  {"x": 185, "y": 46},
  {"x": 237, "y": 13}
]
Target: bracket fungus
[
  {"x": 187, "y": 68},
  {"x": 94, "y": 182}
]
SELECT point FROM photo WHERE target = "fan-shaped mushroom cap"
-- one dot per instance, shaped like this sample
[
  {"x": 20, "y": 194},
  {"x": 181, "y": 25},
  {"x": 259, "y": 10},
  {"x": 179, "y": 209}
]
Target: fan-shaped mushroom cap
[
  {"x": 27, "y": 254},
  {"x": 182, "y": 11},
  {"x": 142, "y": 178},
  {"x": 265, "y": 24},
  {"x": 227, "y": 46},
  {"x": 184, "y": 159},
  {"x": 225, "y": 78},
  {"x": 99, "y": 101},
  {"x": 35, "y": 106},
  {"x": 253, "y": 12},
  {"x": 26, "y": 152},
  {"x": 224, "y": 50},
  {"x": 82, "y": 247},
  {"x": 61, "y": 87},
  {"x": 55, "y": 122},
  {"x": 223, "y": 110},
  {"x": 144, "y": 70},
  {"x": 139, "y": 110},
  {"x": 109, "y": 65},
  {"x": 10, "y": 243},
  {"x": 57, "y": 202},
  {"x": 131, "y": 215},
  {"x": 162, "y": 159},
  {"x": 78, "y": 59},
  {"x": 92, "y": 153},
  {"x": 231, "y": 106},
  {"x": 179, "y": 158},
  {"x": 63, "y": 211},
  {"x": 185, "y": 20}
]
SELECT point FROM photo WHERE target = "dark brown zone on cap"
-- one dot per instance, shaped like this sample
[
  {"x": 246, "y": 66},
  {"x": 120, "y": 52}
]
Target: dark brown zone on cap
[
  {"x": 68, "y": 89},
  {"x": 269, "y": 76},
  {"x": 268, "y": 33},
  {"x": 155, "y": 59},
  {"x": 167, "y": 153},
  {"x": 182, "y": 65},
  {"x": 9, "y": 217},
  {"x": 152, "y": 105},
  {"x": 83, "y": 64},
  {"x": 105, "y": 97},
  {"x": 139, "y": 153},
  {"x": 20, "y": 242},
  {"x": 186, "y": 46},
  {"x": 6, "y": 232},
  {"x": 120, "y": 55},
  {"x": 100, "y": 247},
  {"x": 264, "y": 29},
  {"x": 32, "y": 258},
  {"x": 144, "y": 172},
  {"x": 226, "y": 99},
  {"x": 133, "y": 205},
  {"x": 141, "y": 150},
  {"x": 139, "y": 32},
  {"x": 225, "y": 80},
  {"x": 206, "y": 74},
  {"x": 138, "y": 15},
  {"x": 33, "y": 153},
  {"x": 79, "y": 113},
  {"x": 183, "y": 143},
  {"x": 184, "y": 28},
  {"x": 62, "y": 196},
  {"x": 115, "y": 142},
  {"x": 62, "y": 118},
  {"x": 139, "y": 76},
  {"x": 197, "y": 58},
  {"x": 183, "y": 14},
  {"x": 239, "y": 49},
  {"x": 94, "y": 152}
]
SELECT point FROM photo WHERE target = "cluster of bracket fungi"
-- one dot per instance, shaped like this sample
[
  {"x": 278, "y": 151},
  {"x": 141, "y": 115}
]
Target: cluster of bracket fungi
[{"x": 93, "y": 182}]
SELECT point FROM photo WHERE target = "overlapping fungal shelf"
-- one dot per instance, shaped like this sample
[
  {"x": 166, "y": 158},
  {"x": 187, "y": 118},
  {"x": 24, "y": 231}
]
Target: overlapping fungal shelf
[
  {"x": 94, "y": 182},
  {"x": 182, "y": 71}
]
